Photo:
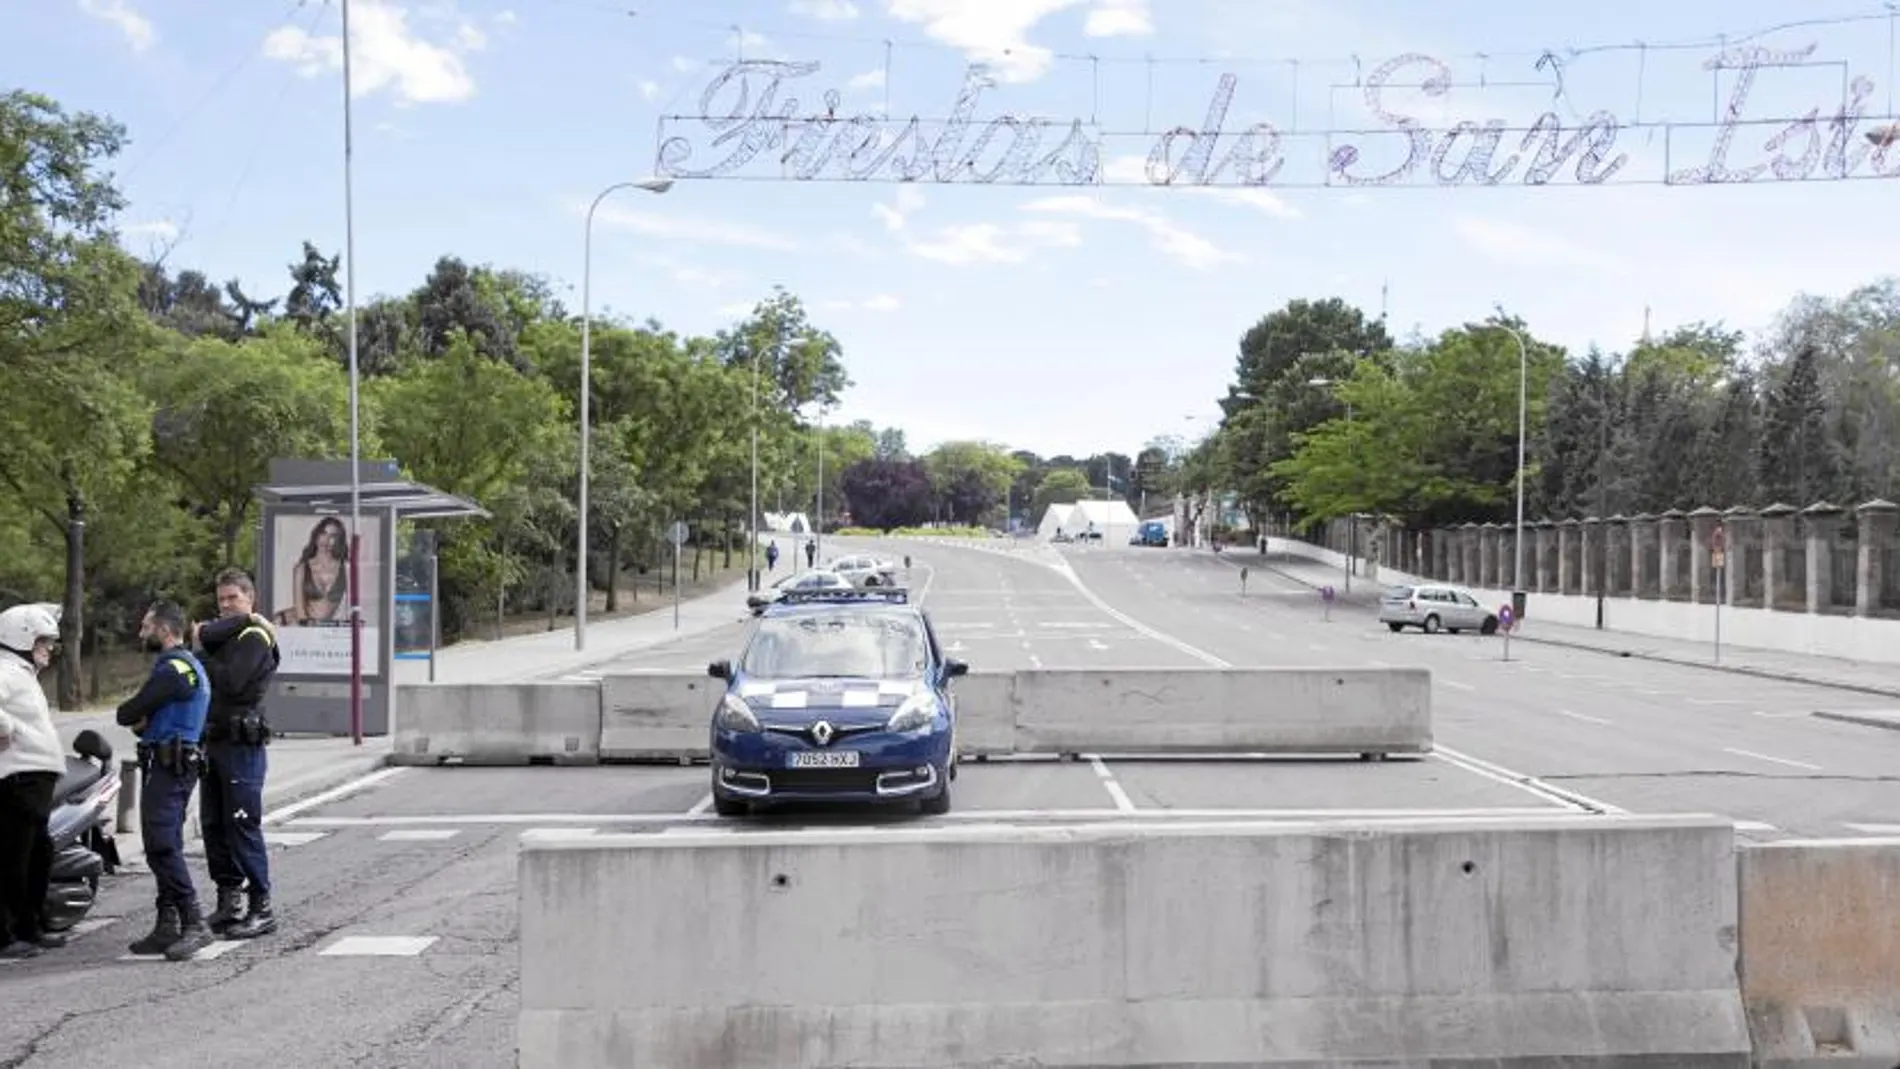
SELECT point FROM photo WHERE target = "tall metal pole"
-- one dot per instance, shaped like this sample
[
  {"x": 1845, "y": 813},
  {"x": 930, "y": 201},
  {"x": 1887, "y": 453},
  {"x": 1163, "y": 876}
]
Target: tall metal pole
[
  {"x": 1523, "y": 408},
  {"x": 752, "y": 522},
  {"x": 652, "y": 185},
  {"x": 356, "y": 443},
  {"x": 1603, "y": 492},
  {"x": 818, "y": 521}
]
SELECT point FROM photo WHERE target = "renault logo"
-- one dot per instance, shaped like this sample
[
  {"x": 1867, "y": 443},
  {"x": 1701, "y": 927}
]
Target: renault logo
[{"x": 822, "y": 732}]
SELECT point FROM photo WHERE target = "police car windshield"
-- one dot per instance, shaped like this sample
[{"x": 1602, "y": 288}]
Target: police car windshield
[{"x": 873, "y": 645}]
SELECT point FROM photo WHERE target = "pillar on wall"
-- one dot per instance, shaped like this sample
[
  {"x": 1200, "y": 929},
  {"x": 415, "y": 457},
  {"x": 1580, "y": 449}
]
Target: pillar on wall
[
  {"x": 1745, "y": 557},
  {"x": 1702, "y": 523},
  {"x": 1441, "y": 554},
  {"x": 1569, "y": 547},
  {"x": 1591, "y": 556},
  {"x": 1616, "y": 532},
  {"x": 1777, "y": 538},
  {"x": 1878, "y": 522},
  {"x": 1543, "y": 570},
  {"x": 1488, "y": 570},
  {"x": 1669, "y": 530},
  {"x": 1644, "y": 561},
  {"x": 1823, "y": 523},
  {"x": 1468, "y": 537}
]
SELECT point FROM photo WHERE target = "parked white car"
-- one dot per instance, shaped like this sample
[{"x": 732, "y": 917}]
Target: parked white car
[
  {"x": 865, "y": 571},
  {"x": 1435, "y": 607}
]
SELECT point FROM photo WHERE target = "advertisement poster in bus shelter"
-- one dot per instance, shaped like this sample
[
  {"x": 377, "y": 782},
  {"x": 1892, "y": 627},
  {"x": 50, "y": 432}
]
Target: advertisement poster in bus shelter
[{"x": 310, "y": 585}]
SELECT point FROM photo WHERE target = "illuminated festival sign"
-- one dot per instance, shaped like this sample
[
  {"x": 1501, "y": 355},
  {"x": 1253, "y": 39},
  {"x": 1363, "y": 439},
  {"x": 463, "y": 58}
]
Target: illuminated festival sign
[{"x": 749, "y": 125}]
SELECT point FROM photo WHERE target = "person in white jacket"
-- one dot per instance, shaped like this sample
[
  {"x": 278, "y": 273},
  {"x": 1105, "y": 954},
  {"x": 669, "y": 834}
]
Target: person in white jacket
[{"x": 31, "y": 761}]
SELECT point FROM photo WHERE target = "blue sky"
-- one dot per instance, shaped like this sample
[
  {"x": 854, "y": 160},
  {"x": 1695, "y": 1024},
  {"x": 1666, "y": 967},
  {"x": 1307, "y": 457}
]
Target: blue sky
[{"x": 1060, "y": 318}]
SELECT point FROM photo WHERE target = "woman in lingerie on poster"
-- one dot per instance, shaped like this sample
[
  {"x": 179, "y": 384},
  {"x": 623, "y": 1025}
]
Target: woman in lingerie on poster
[{"x": 320, "y": 580}]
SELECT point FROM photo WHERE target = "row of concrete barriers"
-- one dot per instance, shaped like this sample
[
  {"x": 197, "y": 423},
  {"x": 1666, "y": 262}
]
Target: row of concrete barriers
[
  {"x": 658, "y": 716},
  {"x": 1575, "y": 941}
]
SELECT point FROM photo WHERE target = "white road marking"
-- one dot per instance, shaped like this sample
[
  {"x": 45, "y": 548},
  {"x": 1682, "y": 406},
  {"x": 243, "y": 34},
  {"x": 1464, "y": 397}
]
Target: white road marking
[
  {"x": 1115, "y": 791},
  {"x": 1034, "y": 661},
  {"x": 1773, "y": 760},
  {"x": 291, "y": 838},
  {"x": 1097, "y": 644},
  {"x": 418, "y": 835},
  {"x": 558, "y": 834},
  {"x": 361, "y": 783},
  {"x": 1317, "y": 648},
  {"x": 1875, "y": 829},
  {"x": 90, "y": 925},
  {"x": 1718, "y": 701},
  {"x": 1764, "y": 714},
  {"x": 1755, "y": 826},
  {"x": 1456, "y": 684},
  {"x": 702, "y": 805},
  {"x": 1582, "y": 717},
  {"x": 210, "y": 953},
  {"x": 378, "y": 946}
]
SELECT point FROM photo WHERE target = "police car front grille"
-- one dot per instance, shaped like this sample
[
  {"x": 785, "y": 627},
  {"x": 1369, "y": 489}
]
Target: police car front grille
[{"x": 825, "y": 780}]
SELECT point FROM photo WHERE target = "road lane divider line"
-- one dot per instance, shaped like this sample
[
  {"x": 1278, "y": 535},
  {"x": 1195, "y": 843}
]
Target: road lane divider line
[
  {"x": 1771, "y": 760},
  {"x": 336, "y": 793},
  {"x": 1113, "y": 786},
  {"x": 702, "y": 805},
  {"x": 1455, "y": 683},
  {"x": 1581, "y": 716}
]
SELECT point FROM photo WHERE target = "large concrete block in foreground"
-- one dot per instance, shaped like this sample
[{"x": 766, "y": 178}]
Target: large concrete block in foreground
[
  {"x": 1820, "y": 959},
  {"x": 657, "y": 715},
  {"x": 1598, "y": 942},
  {"x": 1209, "y": 710},
  {"x": 498, "y": 724}
]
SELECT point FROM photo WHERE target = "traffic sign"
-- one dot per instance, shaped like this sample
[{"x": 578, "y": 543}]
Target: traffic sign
[
  {"x": 1718, "y": 558},
  {"x": 1326, "y": 593},
  {"x": 678, "y": 533},
  {"x": 1506, "y": 618}
]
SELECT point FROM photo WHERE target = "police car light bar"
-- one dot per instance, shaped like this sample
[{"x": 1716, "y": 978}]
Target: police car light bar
[{"x": 895, "y": 594}]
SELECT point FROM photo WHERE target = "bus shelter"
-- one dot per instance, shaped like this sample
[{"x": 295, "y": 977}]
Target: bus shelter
[{"x": 303, "y": 586}]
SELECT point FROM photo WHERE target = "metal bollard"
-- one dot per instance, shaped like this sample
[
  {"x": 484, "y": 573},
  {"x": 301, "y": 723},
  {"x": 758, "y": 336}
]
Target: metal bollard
[{"x": 128, "y": 795}]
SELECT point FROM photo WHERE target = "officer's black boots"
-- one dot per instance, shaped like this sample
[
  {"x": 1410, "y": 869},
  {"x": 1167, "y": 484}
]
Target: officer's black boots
[
  {"x": 260, "y": 921},
  {"x": 193, "y": 936},
  {"x": 163, "y": 934},
  {"x": 230, "y": 910}
]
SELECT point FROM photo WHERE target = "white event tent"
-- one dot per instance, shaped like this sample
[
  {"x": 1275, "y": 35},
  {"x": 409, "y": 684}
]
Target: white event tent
[{"x": 1113, "y": 520}]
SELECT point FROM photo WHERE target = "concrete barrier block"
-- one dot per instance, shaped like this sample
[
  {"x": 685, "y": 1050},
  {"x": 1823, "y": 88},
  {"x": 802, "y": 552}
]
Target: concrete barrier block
[
  {"x": 1820, "y": 961},
  {"x": 657, "y": 716},
  {"x": 498, "y": 724},
  {"x": 1593, "y": 942},
  {"x": 986, "y": 713},
  {"x": 1206, "y": 710}
]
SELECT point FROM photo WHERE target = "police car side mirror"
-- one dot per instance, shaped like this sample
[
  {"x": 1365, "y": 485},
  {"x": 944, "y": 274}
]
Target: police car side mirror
[
  {"x": 720, "y": 669},
  {"x": 954, "y": 668}
]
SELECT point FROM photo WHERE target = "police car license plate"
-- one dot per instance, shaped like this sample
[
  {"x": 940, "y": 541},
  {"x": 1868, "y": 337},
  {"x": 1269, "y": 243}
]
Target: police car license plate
[{"x": 825, "y": 759}]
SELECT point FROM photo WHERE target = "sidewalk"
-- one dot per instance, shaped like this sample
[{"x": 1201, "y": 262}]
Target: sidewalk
[
  {"x": 1861, "y": 676},
  {"x": 549, "y": 653}
]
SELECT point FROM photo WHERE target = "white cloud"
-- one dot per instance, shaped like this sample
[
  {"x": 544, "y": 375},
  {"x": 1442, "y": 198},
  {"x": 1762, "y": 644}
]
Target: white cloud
[
  {"x": 684, "y": 64},
  {"x": 993, "y": 243},
  {"x": 691, "y": 228},
  {"x": 1133, "y": 171},
  {"x": 908, "y": 202},
  {"x": 649, "y": 89},
  {"x": 505, "y": 18},
  {"x": 1520, "y": 246},
  {"x": 996, "y": 31},
  {"x": 137, "y": 28},
  {"x": 883, "y": 302},
  {"x": 385, "y": 53},
  {"x": 826, "y": 10},
  {"x": 1172, "y": 239},
  {"x": 1120, "y": 18},
  {"x": 870, "y": 79}
]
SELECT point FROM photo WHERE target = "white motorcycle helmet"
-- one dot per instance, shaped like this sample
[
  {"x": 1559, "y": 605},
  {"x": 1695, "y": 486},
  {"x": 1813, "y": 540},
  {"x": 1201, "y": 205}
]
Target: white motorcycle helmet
[{"x": 23, "y": 625}]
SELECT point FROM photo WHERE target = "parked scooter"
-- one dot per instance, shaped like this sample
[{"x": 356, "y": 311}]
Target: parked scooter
[{"x": 81, "y": 827}]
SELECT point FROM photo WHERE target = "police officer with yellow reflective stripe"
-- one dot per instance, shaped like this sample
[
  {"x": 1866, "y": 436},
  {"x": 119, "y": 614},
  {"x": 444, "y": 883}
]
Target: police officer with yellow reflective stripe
[
  {"x": 241, "y": 656},
  {"x": 168, "y": 716}
]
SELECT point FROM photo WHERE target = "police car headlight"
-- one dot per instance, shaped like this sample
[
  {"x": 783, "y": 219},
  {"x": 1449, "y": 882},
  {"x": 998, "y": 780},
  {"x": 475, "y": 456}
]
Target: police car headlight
[
  {"x": 735, "y": 715},
  {"x": 915, "y": 714}
]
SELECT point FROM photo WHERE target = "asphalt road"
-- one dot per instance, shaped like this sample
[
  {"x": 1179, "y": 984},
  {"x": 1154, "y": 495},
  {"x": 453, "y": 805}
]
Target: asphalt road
[{"x": 398, "y": 899}]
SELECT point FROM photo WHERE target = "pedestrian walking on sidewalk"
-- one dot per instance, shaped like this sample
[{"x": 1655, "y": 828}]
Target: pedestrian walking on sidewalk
[
  {"x": 31, "y": 760},
  {"x": 771, "y": 556},
  {"x": 168, "y": 716},
  {"x": 240, "y": 657}
]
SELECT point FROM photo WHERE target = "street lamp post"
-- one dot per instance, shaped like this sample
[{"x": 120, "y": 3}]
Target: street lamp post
[
  {"x": 1523, "y": 394},
  {"x": 650, "y": 185}
]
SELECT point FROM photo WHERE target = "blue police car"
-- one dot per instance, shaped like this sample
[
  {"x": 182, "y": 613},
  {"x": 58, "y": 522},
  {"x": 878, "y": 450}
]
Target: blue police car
[{"x": 838, "y": 696}]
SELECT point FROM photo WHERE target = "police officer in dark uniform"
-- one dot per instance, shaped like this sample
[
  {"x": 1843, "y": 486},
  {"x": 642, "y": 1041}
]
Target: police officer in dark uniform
[
  {"x": 241, "y": 656},
  {"x": 168, "y": 716}
]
